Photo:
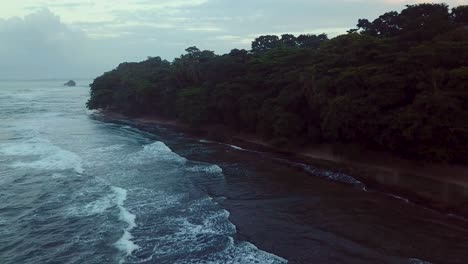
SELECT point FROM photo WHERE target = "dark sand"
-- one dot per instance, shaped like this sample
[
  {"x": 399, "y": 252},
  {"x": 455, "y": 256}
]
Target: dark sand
[
  {"x": 442, "y": 187},
  {"x": 402, "y": 216}
]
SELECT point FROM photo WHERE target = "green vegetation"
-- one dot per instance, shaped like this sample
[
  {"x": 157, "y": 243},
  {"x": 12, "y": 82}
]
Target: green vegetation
[{"x": 398, "y": 83}]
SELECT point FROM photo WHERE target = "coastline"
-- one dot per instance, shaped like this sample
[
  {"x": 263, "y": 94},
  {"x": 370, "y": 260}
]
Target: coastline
[{"x": 440, "y": 187}]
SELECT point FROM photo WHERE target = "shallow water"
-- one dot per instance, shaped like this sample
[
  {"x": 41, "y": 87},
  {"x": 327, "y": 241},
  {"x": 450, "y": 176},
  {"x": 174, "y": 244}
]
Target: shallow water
[{"x": 77, "y": 188}]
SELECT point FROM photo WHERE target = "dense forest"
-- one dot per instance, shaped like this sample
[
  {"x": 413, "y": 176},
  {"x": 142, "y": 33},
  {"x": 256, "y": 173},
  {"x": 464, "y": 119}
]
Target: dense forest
[{"x": 398, "y": 83}]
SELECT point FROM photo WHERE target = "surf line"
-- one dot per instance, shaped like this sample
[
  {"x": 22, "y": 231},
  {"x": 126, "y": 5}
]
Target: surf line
[{"x": 125, "y": 242}]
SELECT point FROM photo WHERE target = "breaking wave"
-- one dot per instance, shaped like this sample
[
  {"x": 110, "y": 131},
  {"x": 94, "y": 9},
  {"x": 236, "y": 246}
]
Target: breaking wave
[
  {"x": 125, "y": 242},
  {"x": 43, "y": 155}
]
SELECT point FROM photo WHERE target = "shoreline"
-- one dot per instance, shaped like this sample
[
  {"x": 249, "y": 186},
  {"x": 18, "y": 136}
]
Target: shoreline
[{"x": 440, "y": 187}]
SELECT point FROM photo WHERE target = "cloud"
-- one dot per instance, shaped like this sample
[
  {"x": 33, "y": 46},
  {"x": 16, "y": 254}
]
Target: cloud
[
  {"x": 37, "y": 43},
  {"x": 60, "y": 38},
  {"x": 41, "y": 45}
]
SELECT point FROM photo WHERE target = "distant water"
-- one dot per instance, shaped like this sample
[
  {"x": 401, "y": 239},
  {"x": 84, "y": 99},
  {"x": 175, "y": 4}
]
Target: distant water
[{"x": 78, "y": 188}]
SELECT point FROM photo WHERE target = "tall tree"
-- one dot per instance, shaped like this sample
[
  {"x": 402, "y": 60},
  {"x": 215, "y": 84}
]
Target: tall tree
[{"x": 265, "y": 43}]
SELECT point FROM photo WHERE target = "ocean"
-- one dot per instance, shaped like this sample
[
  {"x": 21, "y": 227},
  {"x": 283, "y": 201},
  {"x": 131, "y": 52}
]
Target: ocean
[{"x": 78, "y": 188}]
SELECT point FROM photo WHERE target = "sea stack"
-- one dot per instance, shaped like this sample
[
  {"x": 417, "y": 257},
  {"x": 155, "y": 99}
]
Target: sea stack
[{"x": 70, "y": 83}]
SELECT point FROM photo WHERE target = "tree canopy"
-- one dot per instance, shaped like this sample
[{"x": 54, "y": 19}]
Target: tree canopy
[{"x": 398, "y": 83}]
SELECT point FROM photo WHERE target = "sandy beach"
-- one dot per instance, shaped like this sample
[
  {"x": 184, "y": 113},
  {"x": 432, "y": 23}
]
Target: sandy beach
[{"x": 442, "y": 187}]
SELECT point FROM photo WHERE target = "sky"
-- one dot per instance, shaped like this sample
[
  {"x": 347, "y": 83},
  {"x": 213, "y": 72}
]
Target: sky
[{"x": 84, "y": 38}]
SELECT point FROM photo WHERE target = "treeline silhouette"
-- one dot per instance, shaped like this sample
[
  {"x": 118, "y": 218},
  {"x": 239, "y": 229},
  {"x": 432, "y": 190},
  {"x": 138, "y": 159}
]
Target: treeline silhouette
[{"x": 398, "y": 83}]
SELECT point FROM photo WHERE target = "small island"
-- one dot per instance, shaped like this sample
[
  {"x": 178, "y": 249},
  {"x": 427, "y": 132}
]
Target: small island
[{"x": 70, "y": 83}]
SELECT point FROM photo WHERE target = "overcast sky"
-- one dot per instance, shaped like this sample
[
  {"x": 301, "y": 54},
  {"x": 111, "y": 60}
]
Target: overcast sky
[{"x": 84, "y": 38}]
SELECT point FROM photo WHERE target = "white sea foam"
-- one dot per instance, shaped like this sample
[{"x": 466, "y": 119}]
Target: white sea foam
[
  {"x": 206, "y": 168},
  {"x": 125, "y": 242},
  {"x": 235, "y": 253},
  {"x": 417, "y": 261},
  {"x": 232, "y": 146},
  {"x": 99, "y": 206},
  {"x": 216, "y": 223},
  {"x": 236, "y": 147},
  {"x": 399, "y": 197},
  {"x": 92, "y": 208},
  {"x": 244, "y": 253},
  {"x": 155, "y": 151},
  {"x": 110, "y": 148},
  {"x": 62, "y": 160},
  {"x": 92, "y": 112},
  {"x": 51, "y": 157},
  {"x": 155, "y": 201},
  {"x": 205, "y": 227},
  {"x": 195, "y": 232},
  {"x": 127, "y": 217}
]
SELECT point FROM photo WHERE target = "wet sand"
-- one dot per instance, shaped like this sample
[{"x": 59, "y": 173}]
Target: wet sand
[
  {"x": 290, "y": 212},
  {"x": 441, "y": 187}
]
